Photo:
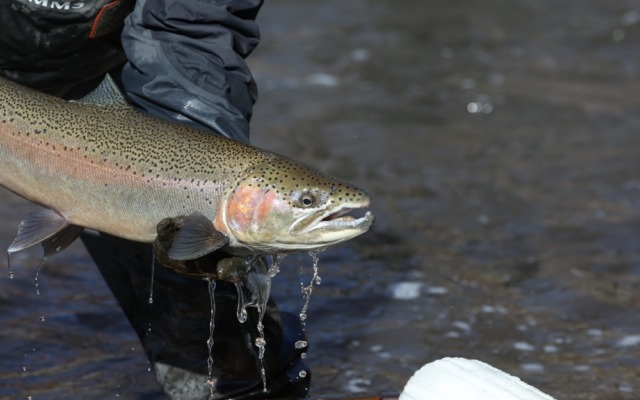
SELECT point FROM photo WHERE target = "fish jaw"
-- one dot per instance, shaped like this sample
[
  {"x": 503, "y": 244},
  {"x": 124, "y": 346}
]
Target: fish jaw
[
  {"x": 335, "y": 224},
  {"x": 291, "y": 210}
]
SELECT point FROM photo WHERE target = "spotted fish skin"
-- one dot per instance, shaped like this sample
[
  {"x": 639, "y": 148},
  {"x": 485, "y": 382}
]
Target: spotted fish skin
[{"x": 119, "y": 171}]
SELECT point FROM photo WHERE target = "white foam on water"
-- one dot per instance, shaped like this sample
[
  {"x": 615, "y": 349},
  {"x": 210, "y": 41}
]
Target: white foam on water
[
  {"x": 524, "y": 346},
  {"x": 629, "y": 341},
  {"x": 463, "y": 326},
  {"x": 532, "y": 367},
  {"x": 437, "y": 291},
  {"x": 358, "y": 385},
  {"x": 406, "y": 290}
]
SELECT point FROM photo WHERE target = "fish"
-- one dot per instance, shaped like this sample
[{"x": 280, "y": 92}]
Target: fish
[{"x": 97, "y": 163}]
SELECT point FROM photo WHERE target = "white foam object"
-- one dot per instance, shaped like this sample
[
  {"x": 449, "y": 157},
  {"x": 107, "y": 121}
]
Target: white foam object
[{"x": 462, "y": 379}]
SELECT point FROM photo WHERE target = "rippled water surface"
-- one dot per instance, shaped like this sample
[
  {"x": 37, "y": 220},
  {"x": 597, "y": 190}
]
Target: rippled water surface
[{"x": 500, "y": 143}]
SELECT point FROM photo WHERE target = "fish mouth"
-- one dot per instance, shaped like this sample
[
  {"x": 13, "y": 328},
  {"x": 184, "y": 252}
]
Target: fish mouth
[
  {"x": 338, "y": 225},
  {"x": 343, "y": 220}
]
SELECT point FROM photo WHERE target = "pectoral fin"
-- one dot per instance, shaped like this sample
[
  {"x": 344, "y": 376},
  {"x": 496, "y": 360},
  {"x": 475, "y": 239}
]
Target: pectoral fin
[
  {"x": 196, "y": 238},
  {"x": 46, "y": 227}
]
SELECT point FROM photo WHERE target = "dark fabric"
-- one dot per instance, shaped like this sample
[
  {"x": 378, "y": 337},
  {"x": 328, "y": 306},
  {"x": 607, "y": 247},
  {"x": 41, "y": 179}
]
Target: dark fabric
[
  {"x": 45, "y": 44},
  {"x": 186, "y": 58},
  {"x": 186, "y": 62}
]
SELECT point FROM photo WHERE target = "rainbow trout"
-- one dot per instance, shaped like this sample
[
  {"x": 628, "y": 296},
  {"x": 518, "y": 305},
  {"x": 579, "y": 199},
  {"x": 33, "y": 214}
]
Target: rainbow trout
[{"x": 97, "y": 163}]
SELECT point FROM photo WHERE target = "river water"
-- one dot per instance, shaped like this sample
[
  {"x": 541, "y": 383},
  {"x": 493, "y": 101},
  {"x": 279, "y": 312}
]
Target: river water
[{"x": 499, "y": 141}]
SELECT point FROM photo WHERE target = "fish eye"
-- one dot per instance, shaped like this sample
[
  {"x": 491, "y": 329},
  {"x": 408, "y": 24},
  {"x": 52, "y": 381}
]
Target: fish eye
[{"x": 307, "y": 199}]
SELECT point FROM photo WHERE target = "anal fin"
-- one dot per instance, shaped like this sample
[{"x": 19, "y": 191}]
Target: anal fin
[{"x": 47, "y": 227}]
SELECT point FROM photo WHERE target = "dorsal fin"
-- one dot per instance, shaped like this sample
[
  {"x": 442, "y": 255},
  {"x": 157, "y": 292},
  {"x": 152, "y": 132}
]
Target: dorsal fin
[{"x": 107, "y": 93}]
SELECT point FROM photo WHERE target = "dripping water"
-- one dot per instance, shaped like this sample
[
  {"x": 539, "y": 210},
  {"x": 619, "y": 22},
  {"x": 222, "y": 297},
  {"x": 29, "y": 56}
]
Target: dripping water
[
  {"x": 308, "y": 290},
  {"x": 299, "y": 345},
  {"x": 259, "y": 284},
  {"x": 11, "y": 275},
  {"x": 35, "y": 280},
  {"x": 261, "y": 344},
  {"x": 212, "y": 301},
  {"x": 241, "y": 313},
  {"x": 275, "y": 264},
  {"x": 153, "y": 273}
]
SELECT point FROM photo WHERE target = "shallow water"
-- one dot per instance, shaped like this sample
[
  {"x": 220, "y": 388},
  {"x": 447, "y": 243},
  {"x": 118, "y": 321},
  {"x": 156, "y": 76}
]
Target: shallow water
[{"x": 499, "y": 142}]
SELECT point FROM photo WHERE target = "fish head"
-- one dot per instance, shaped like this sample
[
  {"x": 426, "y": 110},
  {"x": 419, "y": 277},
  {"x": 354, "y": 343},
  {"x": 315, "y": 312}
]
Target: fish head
[{"x": 284, "y": 206}]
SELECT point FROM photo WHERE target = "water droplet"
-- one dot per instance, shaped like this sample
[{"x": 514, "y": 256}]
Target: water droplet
[
  {"x": 241, "y": 312},
  {"x": 9, "y": 266},
  {"x": 42, "y": 318},
  {"x": 302, "y": 374},
  {"x": 24, "y": 369},
  {"x": 242, "y": 315},
  {"x": 473, "y": 107},
  {"x": 303, "y": 355},
  {"x": 275, "y": 265},
  {"x": 301, "y": 344}
]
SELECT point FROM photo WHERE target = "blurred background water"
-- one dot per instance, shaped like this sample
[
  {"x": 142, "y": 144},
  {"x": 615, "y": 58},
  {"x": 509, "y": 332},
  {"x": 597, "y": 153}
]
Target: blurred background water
[{"x": 500, "y": 142}]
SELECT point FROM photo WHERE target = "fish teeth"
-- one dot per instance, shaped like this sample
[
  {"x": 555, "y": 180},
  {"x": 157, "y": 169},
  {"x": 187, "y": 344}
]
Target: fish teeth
[{"x": 345, "y": 221}]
